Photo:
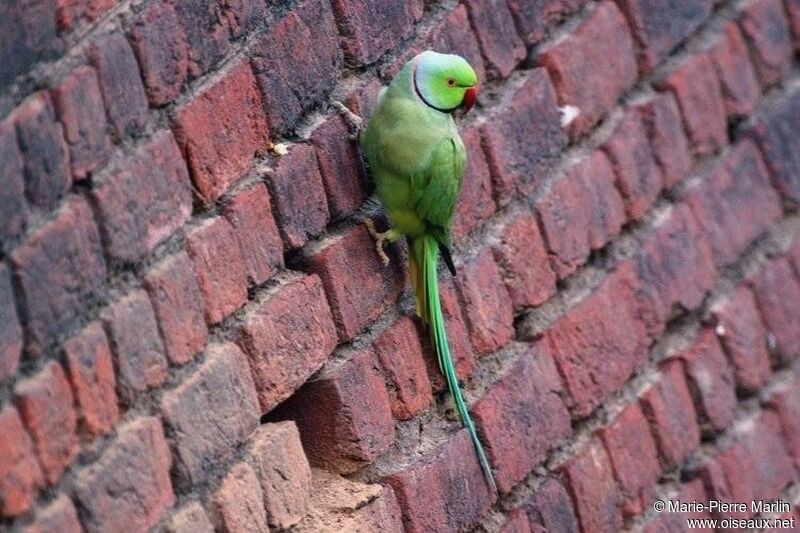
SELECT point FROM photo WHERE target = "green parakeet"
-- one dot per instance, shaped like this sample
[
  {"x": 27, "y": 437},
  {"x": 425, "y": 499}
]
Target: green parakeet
[{"x": 417, "y": 160}]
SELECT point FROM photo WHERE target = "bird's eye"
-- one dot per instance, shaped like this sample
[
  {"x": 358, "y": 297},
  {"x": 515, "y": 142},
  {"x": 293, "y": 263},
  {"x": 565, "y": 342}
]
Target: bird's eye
[{"x": 451, "y": 82}]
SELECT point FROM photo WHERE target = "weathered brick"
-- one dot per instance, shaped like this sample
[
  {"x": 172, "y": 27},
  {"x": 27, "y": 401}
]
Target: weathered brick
[
  {"x": 494, "y": 26},
  {"x": 133, "y": 331},
  {"x": 191, "y": 518},
  {"x": 444, "y": 490},
  {"x": 597, "y": 344},
  {"x": 10, "y": 327},
  {"x": 178, "y": 307},
  {"x": 20, "y": 473},
  {"x": 91, "y": 372},
  {"x": 161, "y": 49},
  {"x": 744, "y": 338},
  {"x": 44, "y": 150},
  {"x": 61, "y": 271},
  {"x": 487, "y": 304},
  {"x": 219, "y": 265},
  {"x": 659, "y": 27},
  {"x": 730, "y": 476},
  {"x": 120, "y": 84},
  {"x": 766, "y": 30},
  {"x": 765, "y": 446},
  {"x": 277, "y": 456},
  {"x": 793, "y": 14},
  {"x": 13, "y": 210},
  {"x": 735, "y": 203},
  {"x": 211, "y": 412},
  {"x": 667, "y": 404},
  {"x": 475, "y": 203},
  {"x": 45, "y": 403},
  {"x": 238, "y": 501},
  {"x": 71, "y": 13},
  {"x": 777, "y": 293},
  {"x": 287, "y": 337},
  {"x": 251, "y": 217},
  {"x": 696, "y": 88},
  {"x": 144, "y": 199},
  {"x": 221, "y": 130},
  {"x": 592, "y": 66},
  {"x": 359, "y": 287},
  {"x": 79, "y": 106},
  {"x": 400, "y": 353},
  {"x": 129, "y": 483},
  {"x": 740, "y": 90},
  {"x": 785, "y": 401},
  {"x": 535, "y": 18},
  {"x": 298, "y": 194},
  {"x": 634, "y": 458},
  {"x": 590, "y": 480},
  {"x": 516, "y": 522},
  {"x": 28, "y": 34},
  {"x": 59, "y": 515},
  {"x": 662, "y": 120},
  {"x": 693, "y": 491},
  {"x": 523, "y": 137},
  {"x": 522, "y": 417},
  {"x": 293, "y": 76},
  {"x": 580, "y": 213},
  {"x": 356, "y": 425},
  {"x": 206, "y": 26},
  {"x": 521, "y": 255},
  {"x": 550, "y": 508}
]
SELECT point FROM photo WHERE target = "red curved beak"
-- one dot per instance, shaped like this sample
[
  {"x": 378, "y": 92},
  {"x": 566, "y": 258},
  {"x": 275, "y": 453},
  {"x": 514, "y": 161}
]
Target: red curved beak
[{"x": 470, "y": 95}]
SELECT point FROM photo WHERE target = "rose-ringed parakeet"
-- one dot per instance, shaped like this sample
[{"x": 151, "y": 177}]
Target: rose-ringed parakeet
[{"x": 417, "y": 161}]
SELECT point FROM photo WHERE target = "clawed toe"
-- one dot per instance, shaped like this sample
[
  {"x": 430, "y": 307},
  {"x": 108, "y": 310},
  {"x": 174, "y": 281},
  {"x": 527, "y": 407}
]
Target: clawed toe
[{"x": 354, "y": 123}]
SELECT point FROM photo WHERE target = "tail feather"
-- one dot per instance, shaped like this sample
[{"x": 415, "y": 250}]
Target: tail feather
[{"x": 423, "y": 258}]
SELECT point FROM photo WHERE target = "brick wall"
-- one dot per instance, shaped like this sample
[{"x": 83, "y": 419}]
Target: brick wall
[{"x": 196, "y": 333}]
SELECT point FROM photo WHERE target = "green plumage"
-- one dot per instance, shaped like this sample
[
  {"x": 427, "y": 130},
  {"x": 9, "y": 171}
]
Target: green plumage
[{"x": 417, "y": 160}]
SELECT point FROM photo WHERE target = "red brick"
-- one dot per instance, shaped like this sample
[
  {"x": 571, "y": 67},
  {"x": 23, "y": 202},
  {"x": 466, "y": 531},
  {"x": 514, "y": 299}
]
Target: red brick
[
  {"x": 44, "y": 150},
  {"x": 523, "y": 137},
  {"x": 369, "y": 28},
  {"x": 730, "y": 476},
  {"x": 13, "y": 211},
  {"x": 219, "y": 265},
  {"x": 744, "y": 338},
  {"x": 597, "y": 344},
  {"x": 693, "y": 491},
  {"x": 73, "y": 12},
  {"x": 20, "y": 473},
  {"x": 592, "y": 66},
  {"x": 356, "y": 425},
  {"x": 590, "y": 481},
  {"x": 522, "y": 417},
  {"x": 772, "y": 464},
  {"x": 638, "y": 175},
  {"x": 45, "y": 403},
  {"x": 211, "y": 412},
  {"x": 662, "y": 120},
  {"x": 120, "y": 84},
  {"x": 475, "y": 203},
  {"x": 59, "y": 515},
  {"x": 206, "y": 24},
  {"x": 516, "y": 522},
  {"x": 10, "y": 327},
  {"x": 444, "y": 490},
  {"x": 737, "y": 77},
  {"x": 494, "y": 26},
  {"x": 339, "y": 166},
  {"x": 28, "y": 34},
  {"x": 238, "y": 501},
  {"x": 144, "y": 199},
  {"x": 777, "y": 293},
  {"x": 550, "y": 508},
  {"x": 522, "y": 257},
  {"x": 364, "y": 97},
  {"x": 133, "y": 331},
  {"x": 711, "y": 381},
  {"x": 766, "y": 30},
  {"x": 359, "y": 287},
  {"x": 634, "y": 458},
  {"x": 191, "y": 518},
  {"x": 178, "y": 307},
  {"x": 276, "y": 454},
  {"x": 293, "y": 76},
  {"x": 785, "y": 401},
  {"x": 735, "y": 203},
  {"x": 696, "y": 88},
  {"x": 400, "y": 353},
  {"x": 129, "y": 484},
  {"x": 251, "y": 217},
  {"x": 79, "y": 105},
  {"x": 161, "y": 49},
  {"x": 91, "y": 372},
  {"x": 658, "y": 28},
  {"x": 298, "y": 195},
  {"x": 667, "y": 404},
  {"x": 535, "y": 18},
  {"x": 221, "y": 130},
  {"x": 580, "y": 213},
  {"x": 287, "y": 337}
]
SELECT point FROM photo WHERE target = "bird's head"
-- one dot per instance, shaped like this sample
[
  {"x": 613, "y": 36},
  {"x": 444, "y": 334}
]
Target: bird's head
[{"x": 445, "y": 82}]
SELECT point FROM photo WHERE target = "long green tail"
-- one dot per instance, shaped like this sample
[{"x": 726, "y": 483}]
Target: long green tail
[{"x": 424, "y": 256}]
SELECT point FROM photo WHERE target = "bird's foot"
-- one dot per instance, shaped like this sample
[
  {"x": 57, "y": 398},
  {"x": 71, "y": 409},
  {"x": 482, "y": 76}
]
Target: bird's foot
[
  {"x": 381, "y": 238},
  {"x": 354, "y": 123}
]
